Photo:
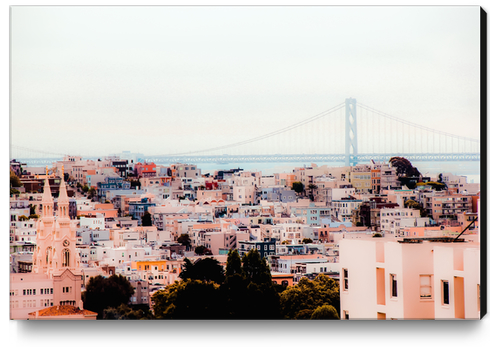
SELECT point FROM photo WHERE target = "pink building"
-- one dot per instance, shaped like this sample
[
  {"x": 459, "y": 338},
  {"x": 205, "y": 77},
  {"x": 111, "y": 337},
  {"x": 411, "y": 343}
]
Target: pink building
[
  {"x": 215, "y": 241},
  {"x": 385, "y": 279},
  {"x": 209, "y": 195},
  {"x": 56, "y": 278},
  {"x": 244, "y": 194}
]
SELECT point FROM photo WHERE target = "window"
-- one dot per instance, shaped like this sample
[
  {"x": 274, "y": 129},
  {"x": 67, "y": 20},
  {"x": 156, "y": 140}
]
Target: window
[
  {"x": 425, "y": 287},
  {"x": 346, "y": 315},
  {"x": 394, "y": 286},
  {"x": 346, "y": 279},
  {"x": 445, "y": 292},
  {"x": 66, "y": 258}
]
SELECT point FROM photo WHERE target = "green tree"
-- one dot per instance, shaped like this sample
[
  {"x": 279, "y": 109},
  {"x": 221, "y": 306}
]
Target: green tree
[
  {"x": 14, "y": 180},
  {"x": 298, "y": 187},
  {"x": 32, "y": 209},
  {"x": 207, "y": 270},
  {"x": 91, "y": 193},
  {"x": 255, "y": 268},
  {"x": 201, "y": 250},
  {"x": 233, "y": 291},
  {"x": 85, "y": 188},
  {"x": 184, "y": 240},
  {"x": 188, "y": 299},
  {"x": 438, "y": 186},
  {"x": 325, "y": 312},
  {"x": 248, "y": 291},
  {"x": 146, "y": 220},
  {"x": 311, "y": 188},
  {"x": 309, "y": 295},
  {"x": 233, "y": 264},
  {"x": 307, "y": 240},
  {"x": 404, "y": 167},
  {"x": 416, "y": 206},
  {"x": 124, "y": 312},
  {"x": 102, "y": 293}
]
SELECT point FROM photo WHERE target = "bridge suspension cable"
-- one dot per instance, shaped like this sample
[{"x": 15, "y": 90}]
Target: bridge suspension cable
[
  {"x": 36, "y": 151},
  {"x": 385, "y": 115},
  {"x": 382, "y": 133},
  {"x": 273, "y": 133}
]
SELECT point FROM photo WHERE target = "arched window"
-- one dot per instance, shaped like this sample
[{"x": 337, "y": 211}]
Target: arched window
[{"x": 66, "y": 258}]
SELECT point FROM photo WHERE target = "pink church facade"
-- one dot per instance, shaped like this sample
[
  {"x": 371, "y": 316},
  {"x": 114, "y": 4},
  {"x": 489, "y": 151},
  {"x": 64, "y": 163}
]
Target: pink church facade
[{"x": 56, "y": 277}]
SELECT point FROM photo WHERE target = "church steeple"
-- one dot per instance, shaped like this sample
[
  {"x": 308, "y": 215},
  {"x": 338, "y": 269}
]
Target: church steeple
[
  {"x": 47, "y": 201},
  {"x": 63, "y": 201},
  {"x": 42, "y": 255}
]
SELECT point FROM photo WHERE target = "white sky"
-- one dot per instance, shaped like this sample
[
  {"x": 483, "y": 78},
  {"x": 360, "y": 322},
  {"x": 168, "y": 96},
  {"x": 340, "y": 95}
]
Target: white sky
[{"x": 155, "y": 80}]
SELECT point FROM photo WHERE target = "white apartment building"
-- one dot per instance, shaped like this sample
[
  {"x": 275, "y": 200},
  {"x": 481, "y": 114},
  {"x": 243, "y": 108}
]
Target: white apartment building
[
  {"x": 342, "y": 209},
  {"x": 93, "y": 223},
  {"x": 394, "y": 220}
]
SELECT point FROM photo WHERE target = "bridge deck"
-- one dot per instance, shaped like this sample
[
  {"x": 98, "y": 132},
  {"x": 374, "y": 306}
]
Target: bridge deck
[{"x": 360, "y": 158}]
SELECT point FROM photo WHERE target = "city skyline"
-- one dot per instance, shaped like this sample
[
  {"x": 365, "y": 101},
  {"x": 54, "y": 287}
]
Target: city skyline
[{"x": 145, "y": 79}]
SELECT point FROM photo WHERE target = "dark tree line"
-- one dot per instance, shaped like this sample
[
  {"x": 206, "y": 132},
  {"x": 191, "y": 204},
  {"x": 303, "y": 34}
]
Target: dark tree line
[
  {"x": 103, "y": 293},
  {"x": 244, "y": 290}
]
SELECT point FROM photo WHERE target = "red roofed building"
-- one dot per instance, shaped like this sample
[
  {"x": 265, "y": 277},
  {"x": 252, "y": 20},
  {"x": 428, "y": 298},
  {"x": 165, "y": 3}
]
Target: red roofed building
[
  {"x": 145, "y": 169},
  {"x": 63, "y": 312}
]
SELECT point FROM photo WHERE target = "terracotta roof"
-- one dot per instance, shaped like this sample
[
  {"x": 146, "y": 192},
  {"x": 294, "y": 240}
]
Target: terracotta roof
[{"x": 62, "y": 310}]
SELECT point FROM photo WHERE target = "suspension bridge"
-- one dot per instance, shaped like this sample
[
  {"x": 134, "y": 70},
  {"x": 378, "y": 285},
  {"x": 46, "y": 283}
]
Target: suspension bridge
[{"x": 348, "y": 133}]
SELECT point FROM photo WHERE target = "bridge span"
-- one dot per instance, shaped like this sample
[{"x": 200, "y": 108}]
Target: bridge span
[{"x": 277, "y": 158}]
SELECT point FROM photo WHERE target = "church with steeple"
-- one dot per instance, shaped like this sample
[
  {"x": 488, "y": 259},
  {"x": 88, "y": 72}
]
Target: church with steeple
[{"x": 56, "y": 277}]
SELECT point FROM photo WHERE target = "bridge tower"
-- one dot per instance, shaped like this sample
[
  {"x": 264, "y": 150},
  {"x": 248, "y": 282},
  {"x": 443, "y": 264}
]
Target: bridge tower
[{"x": 350, "y": 132}]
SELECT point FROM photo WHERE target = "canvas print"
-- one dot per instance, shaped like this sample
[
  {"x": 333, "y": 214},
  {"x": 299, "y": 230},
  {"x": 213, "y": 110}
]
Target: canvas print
[{"x": 245, "y": 163}]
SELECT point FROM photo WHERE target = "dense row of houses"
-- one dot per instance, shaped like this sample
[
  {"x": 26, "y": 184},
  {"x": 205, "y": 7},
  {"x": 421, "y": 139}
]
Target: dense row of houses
[{"x": 352, "y": 223}]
